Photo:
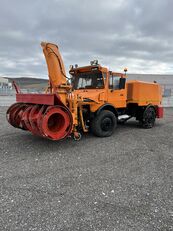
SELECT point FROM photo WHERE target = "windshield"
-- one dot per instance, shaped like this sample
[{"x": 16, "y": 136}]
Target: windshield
[{"x": 87, "y": 80}]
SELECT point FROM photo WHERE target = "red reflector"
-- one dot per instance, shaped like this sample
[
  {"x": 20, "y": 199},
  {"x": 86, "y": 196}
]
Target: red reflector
[{"x": 159, "y": 112}]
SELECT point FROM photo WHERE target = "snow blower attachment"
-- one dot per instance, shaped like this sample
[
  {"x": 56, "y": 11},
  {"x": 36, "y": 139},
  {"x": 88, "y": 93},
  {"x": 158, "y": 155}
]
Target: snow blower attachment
[
  {"x": 95, "y": 100},
  {"x": 45, "y": 114}
]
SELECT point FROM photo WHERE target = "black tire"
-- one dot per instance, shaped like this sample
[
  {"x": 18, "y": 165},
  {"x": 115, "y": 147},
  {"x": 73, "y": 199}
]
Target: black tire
[
  {"x": 148, "y": 118},
  {"x": 104, "y": 124}
]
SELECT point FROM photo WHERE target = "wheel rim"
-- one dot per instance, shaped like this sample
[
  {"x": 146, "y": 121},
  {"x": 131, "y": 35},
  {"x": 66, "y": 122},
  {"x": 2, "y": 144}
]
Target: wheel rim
[{"x": 106, "y": 124}]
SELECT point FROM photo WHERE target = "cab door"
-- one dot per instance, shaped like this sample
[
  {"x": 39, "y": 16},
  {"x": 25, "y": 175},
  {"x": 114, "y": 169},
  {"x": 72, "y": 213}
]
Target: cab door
[{"x": 117, "y": 91}]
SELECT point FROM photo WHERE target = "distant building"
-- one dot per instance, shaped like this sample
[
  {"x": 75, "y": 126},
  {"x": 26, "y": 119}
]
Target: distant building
[{"x": 5, "y": 86}]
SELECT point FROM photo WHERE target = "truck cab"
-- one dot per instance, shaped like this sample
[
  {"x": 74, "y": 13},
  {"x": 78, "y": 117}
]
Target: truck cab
[
  {"x": 101, "y": 96},
  {"x": 98, "y": 86}
]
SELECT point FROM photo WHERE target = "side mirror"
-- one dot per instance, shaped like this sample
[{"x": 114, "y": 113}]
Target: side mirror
[{"x": 122, "y": 83}]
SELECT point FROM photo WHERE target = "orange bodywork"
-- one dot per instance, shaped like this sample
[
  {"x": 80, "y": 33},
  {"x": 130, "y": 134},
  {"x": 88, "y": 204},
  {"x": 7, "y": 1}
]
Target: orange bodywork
[
  {"x": 137, "y": 92},
  {"x": 105, "y": 95},
  {"x": 143, "y": 93}
]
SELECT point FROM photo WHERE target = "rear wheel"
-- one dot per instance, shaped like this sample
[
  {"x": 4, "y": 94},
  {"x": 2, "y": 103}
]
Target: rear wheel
[
  {"x": 148, "y": 118},
  {"x": 104, "y": 124}
]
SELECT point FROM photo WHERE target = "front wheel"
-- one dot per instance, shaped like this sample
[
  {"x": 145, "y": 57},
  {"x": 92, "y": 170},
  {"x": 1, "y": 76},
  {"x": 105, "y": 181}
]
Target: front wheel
[
  {"x": 104, "y": 124},
  {"x": 148, "y": 118}
]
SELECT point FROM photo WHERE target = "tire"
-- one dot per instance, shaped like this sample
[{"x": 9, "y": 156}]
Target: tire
[
  {"x": 104, "y": 124},
  {"x": 148, "y": 118}
]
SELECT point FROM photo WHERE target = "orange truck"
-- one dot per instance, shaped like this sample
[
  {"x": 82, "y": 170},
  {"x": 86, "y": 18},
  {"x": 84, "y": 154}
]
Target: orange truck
[{"x": 92, "y": 99}]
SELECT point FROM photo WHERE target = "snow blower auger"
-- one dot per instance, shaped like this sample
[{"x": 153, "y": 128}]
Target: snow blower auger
[{"x": 95, "y": 99}]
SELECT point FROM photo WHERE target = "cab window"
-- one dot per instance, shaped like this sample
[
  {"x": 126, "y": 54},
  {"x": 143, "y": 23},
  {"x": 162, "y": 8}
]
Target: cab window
[
  {"x": 114, "y": 82},
  {"x": 88, "y": 80}
]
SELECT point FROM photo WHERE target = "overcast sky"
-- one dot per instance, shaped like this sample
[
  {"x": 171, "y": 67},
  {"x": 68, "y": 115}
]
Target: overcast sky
[{"x": 137, "y": 34}]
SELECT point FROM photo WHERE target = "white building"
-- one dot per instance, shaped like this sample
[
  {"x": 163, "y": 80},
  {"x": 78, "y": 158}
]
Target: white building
[
  {"x": 5, "y": 86},
  {"x": 4, "y": 83}
]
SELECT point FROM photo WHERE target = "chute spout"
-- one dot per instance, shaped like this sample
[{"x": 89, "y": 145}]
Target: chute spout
[{"x": 55, "y": 65}]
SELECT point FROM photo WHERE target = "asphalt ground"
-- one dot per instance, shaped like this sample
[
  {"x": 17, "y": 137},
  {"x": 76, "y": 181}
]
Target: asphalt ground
[{"x": 123, "y": 182}]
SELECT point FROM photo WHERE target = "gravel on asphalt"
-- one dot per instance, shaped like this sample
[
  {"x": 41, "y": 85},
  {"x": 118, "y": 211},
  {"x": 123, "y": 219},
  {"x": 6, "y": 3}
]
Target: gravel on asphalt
[{"x": 123, "y": 182}]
